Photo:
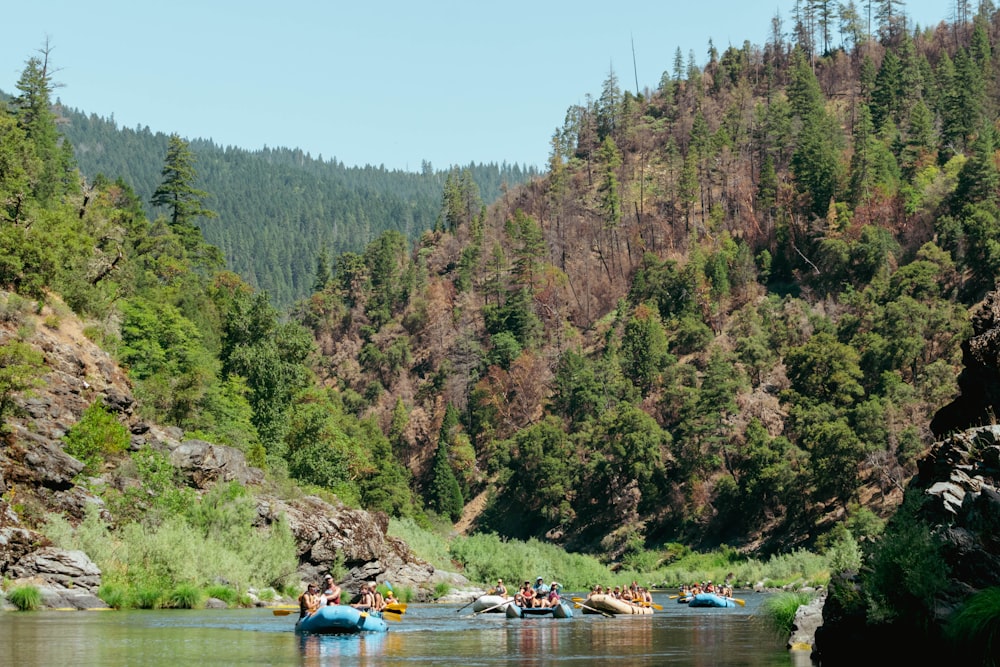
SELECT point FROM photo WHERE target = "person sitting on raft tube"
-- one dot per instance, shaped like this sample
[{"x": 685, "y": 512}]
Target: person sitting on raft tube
[{"x": 310, "y": 601}]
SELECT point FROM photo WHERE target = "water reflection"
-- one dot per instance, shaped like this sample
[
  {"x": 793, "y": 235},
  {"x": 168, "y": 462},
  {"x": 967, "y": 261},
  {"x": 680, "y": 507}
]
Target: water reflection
[
  {"x": 532, "y": 637},
  {"x": 622, "y": 636},
  {"x": 317, "y": 650}
]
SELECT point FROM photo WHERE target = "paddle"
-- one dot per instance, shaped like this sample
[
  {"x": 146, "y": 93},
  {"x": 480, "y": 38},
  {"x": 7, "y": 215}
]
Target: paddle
[
  {"x": 741, "y": 603},
  {"x": 397, "y": 607},
  {"x": 483, "y": 611},
  {"x": 465, "y": 605},
  {"x": 596, "y": 611},
  {"x": 392, "y": 615},
  {"x": 282, "y": 612}
]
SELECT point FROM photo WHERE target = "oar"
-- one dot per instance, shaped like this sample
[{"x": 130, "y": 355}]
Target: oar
[
  {"x": 596, "y": 611},
  {"x": 282, "y": 612},
  {"x": 397, "y": 607},
  {"x": 496, "y": 606},
  {"x": 741, "y": 603},
  {"x": 465, "y": 605},
  {"x": 391, "y": 615}
]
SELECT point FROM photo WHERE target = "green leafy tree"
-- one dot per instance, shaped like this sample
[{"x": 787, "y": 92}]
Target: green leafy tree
[
  {"x": 825, "y": 370},
  {"x": 644, "y": 351},
  {"x": 765, "y": 472},
  {"x": 541, "y": 477},
  {"x": 628, "y": 447}
]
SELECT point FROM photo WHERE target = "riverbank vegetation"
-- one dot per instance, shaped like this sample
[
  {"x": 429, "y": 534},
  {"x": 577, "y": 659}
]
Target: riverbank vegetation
[
  {"x": 179, "y": 556},
  {"x": 483, "y": 558}
]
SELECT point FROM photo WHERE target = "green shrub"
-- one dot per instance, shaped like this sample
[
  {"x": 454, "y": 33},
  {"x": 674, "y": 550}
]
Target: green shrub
[
  {"x": 96, "y": 435},
  {"x": 185, "y": 596},
  {"x": 405, "y": 594},
  {"x": 485, "y": 558},
  {"x": 907, "y": 570},
  {"x": 25, "y": 597},
  {"x": 430, "y": 545},
  {"x": 113, "y": 595},
  {"x": 441, "y": 589}
]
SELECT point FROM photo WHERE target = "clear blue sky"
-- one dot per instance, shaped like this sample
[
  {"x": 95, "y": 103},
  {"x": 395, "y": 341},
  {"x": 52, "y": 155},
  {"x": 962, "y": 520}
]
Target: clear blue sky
[{"x": 381, "y": 82}]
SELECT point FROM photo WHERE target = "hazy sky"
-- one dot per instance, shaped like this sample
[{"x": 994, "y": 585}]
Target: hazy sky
[{"x": 380, "y": 82}]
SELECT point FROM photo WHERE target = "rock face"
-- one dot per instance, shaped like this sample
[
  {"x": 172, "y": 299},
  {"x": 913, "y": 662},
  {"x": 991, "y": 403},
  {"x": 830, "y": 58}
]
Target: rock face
[
  {"x": 960, "y": 482},
  {"x": 326, "y": 533},
  {"x": 978, "y": 403},
  {"x": 957, "y": 494},
  {"x": 38, "y": 476}
]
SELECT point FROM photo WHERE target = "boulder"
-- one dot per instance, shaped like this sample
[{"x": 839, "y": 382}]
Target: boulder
[
  {"x": 808, "y": 618},
  {"x": 205, "y": 464},
  {"x": 58, "y": 597},
  {"x": 328, "y": 535},
  {"x": 65, "y": 568}
]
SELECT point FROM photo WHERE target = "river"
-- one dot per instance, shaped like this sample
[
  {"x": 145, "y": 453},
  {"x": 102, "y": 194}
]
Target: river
[{"x": 428, "y": 634}]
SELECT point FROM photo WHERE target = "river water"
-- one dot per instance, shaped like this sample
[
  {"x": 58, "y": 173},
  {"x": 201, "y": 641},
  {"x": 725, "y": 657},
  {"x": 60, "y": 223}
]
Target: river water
[{"x": 427, "y": 635}]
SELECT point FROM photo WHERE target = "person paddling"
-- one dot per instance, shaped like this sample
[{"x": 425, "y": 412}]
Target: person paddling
[{"x": 309, "y": 601}]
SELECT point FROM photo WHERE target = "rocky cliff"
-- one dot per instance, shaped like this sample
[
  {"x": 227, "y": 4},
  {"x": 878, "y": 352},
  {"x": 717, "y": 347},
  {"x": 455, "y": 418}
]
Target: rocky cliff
[
  {"x": 37, "y": 476},
  {"x": 952, "y": 505}
]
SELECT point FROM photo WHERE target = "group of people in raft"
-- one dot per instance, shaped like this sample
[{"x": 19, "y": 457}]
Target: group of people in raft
[
  {"x": 540, "y": 595},
  {"x": 724, "y": 589},
  {"x": 368, "y": 597},
  {"x": 531, "y": 595},
  {"x": 632, "y": 594}
]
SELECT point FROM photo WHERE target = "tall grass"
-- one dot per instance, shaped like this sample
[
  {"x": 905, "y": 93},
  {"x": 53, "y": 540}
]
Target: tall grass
[
  {"x": 227, "y": 594},
  {"x": 778, "y": 611},
  {"x": 185, "y": 596},
  {"x": 25, "y": 597},
  {"x": 975, "y": 627}
]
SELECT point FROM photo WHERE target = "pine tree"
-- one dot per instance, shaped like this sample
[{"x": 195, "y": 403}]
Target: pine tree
[
  {"x": 178, "y": 193},
  {"x": 33, "y": 110}
]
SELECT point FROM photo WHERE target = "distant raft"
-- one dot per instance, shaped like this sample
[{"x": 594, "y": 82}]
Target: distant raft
[
  {"x": 491, "y": 603},
  {"x": 710, "y": 600},
  {"x": 612, "y": 605}
]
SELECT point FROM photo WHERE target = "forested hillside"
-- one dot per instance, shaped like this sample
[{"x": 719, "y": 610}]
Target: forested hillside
[
  {"x": 278, "y": 206},
  {"x": 726, "y": 314}
]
